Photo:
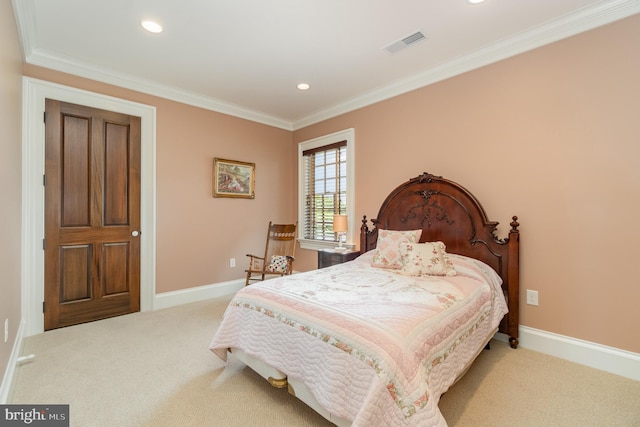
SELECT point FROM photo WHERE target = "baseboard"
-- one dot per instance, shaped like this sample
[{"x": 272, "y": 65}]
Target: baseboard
[
  {"x": 199, "y": 293},
  {"x": 7, "y": 380},
  {"x": 598, "y": 356}
]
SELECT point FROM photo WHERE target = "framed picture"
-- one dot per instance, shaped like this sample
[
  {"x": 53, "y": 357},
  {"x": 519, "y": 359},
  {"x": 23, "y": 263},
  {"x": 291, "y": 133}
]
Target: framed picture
[{"x": 233, "y": 179}]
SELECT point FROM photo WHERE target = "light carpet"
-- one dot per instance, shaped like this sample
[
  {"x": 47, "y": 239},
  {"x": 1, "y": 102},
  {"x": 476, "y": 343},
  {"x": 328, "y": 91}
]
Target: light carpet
[{"x": 155, "y": 369}]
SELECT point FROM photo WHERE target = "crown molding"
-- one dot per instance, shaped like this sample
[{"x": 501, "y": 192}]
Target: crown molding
[
  {"x": 24, "y": 11},
  {"x": 67, "y": 65},
  {"x": 557, "y": 29},
  {"x": 550, "y": 32}
]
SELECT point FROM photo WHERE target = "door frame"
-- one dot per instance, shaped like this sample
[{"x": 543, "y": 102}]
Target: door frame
[{"x": 34, "y": 93}]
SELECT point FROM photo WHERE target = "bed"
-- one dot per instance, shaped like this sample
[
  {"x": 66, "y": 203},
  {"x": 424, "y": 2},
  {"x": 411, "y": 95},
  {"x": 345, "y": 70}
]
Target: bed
[{"x": 378, "y": 340}]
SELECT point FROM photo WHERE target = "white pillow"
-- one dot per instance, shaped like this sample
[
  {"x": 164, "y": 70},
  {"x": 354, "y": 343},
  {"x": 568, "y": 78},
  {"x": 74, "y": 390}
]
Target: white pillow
[
  {"x": 425, "y": 259},
  {"x": 387, "y": 254}
]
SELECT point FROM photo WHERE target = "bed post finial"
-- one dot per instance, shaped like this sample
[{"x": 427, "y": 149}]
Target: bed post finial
[{"x": 514, "y": 224}]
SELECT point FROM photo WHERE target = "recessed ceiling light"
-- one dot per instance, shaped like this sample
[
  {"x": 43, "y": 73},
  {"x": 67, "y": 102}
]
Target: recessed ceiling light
[
  {"x": 303, "y": 86},
  {"x": 152, "y": 27},
  {"x": 475, "y": 1}
]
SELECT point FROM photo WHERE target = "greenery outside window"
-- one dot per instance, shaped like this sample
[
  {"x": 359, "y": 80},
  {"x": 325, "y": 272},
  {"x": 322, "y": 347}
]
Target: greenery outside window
[{"x": 325, "y": 188}]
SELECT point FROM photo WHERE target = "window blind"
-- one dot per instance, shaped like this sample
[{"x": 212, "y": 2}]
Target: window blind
[{"x": 325, "y": 178}]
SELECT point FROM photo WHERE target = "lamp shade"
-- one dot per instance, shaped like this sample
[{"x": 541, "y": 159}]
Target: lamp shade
[{"x": 340, "y": 223}]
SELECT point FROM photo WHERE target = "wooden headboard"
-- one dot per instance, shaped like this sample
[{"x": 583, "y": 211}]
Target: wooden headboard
[{"x": 447, "y": 212}]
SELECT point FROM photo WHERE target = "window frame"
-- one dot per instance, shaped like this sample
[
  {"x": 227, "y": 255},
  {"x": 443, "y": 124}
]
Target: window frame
[{"x": 326, "y": 140}]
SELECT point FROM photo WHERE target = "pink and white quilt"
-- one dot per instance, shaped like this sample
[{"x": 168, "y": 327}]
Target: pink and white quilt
[{"x": 373, "y": 346}]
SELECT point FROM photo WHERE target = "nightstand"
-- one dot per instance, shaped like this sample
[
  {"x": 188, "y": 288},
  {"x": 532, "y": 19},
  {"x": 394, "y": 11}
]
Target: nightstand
[{"x": 328, "y": 257}]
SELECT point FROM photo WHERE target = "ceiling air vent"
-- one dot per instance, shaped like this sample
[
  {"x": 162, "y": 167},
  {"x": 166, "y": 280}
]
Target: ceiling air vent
[{"x": 405, "y": 42}]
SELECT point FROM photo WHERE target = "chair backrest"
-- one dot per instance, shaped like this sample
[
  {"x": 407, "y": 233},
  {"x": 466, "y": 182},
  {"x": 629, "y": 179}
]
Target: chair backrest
[{"x": 281, "y": 240}]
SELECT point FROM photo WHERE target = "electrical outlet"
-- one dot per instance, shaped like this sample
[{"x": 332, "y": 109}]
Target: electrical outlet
[
  {"x": 532, "y": 297},
  {"x": 6, "y": 330},
  {"x": 232, "y": 262}
]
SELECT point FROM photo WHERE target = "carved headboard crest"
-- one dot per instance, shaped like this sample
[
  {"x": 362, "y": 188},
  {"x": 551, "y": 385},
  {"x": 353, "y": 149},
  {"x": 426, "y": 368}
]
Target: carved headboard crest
[
  {"x": 427, "y": 177},
  {"x": 430, "y": 211}
]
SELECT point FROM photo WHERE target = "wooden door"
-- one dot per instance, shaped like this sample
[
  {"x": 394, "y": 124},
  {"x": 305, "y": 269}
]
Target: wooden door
[{"x": 92, "y": 214}]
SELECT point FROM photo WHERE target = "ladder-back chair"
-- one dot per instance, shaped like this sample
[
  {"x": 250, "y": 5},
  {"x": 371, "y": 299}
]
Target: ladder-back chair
[{"x": 278, "y": 253}]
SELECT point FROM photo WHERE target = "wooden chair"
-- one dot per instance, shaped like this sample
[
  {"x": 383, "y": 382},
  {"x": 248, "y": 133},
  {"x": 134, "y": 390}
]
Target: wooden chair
[{"x": 278, "y": 253}]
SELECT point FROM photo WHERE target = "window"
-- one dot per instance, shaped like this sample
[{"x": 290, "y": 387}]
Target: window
[
  {"x": 325, "y": 195},
  {"x": 325, "y": 188}
]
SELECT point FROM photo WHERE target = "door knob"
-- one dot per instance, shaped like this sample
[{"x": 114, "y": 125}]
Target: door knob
[{"x": 135, "y": 233}]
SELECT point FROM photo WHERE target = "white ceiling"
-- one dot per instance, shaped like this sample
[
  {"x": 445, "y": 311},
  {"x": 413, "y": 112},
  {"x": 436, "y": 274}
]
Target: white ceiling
[{"x": 245, "y": 57}]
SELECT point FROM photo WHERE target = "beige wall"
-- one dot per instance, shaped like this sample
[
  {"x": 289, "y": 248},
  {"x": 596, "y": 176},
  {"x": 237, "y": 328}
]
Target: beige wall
[
  {"x": 10, "y": 178},
  {"x": 553, "y": 136},
  {"x": 196, "y": 233}
]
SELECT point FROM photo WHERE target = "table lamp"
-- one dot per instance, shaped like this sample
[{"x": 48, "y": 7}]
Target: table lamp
[{"x": 340, "y": 227}]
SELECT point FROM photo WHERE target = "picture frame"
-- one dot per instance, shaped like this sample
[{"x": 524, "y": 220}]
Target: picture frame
[{"x": 232, "y": 178}]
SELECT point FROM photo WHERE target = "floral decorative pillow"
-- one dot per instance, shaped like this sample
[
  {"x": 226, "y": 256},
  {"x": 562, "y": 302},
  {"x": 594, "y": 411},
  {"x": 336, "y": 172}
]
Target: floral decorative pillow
[
  {"x": 387, "y": 254},
  {"x": 430, "y": 259},
  {"x": 278, "y": 264}
]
